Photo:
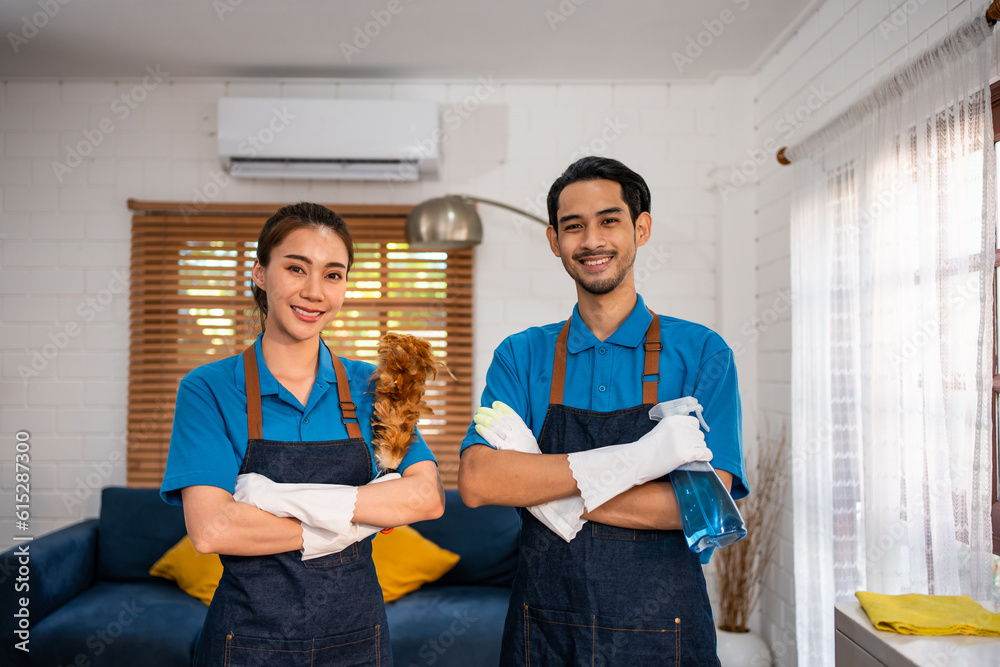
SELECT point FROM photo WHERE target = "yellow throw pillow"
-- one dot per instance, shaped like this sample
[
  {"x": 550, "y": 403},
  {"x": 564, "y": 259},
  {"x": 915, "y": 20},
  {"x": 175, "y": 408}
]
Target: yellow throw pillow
[
  {"x": 197, "y": 574},
  {"x": 405, "y": 560}
]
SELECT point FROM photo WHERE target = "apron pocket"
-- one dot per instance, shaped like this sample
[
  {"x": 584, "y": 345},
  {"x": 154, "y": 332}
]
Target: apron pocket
[
  {"x": 362, "y": 648},
  {"x": 573, "y": 638},
  {"x": 557, "y": 638},
  {"x": 635, "y": 641}
]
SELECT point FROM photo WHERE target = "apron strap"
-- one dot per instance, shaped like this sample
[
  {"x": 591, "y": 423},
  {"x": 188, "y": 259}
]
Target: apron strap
[
  {"x": 651, "y": 365},
  {"x": 559, "y": 367},
  {"x": 651, "y": 368},
  {"x": 255, "y": 420},
  {"x": 347, "y": 407}
]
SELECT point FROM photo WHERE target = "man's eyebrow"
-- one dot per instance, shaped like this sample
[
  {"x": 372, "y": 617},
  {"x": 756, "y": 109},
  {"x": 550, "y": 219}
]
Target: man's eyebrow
[
  {"x": 308, "y": 261},
  {"x": 606, "y": 211}
]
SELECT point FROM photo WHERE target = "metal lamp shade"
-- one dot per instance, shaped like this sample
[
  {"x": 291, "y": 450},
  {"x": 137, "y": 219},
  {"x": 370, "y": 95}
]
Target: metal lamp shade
[{"x": 445, "y": 223}]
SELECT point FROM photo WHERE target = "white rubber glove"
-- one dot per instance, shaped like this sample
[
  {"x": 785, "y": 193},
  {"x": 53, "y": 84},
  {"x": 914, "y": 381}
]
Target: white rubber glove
[
  {"x": 504, "y": 429},
  {"x": 326, "y": 506},
  {"x": 603, "y": 473},
  {"x": 318, "y": 542}
]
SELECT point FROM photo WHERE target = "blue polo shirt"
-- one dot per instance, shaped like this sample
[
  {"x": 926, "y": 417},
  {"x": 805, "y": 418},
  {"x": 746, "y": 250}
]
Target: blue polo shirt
[
  {"x": 606, "y": 376},
  {"x": 209, "y": 438}
]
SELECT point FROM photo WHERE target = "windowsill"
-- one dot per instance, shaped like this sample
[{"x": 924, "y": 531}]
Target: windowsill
[{"x": 855, "y": 631}]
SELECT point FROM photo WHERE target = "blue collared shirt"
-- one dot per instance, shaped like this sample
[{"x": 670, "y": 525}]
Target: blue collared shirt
[
  {"x": 209, "y": 438},
  {"x": 605, "y": 376}
]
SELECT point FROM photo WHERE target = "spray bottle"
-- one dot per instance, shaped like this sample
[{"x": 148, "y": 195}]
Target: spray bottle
[{"x": 709, "y": 516}]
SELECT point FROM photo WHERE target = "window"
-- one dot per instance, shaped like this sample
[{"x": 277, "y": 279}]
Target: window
[{"x": 191, "y": 304}]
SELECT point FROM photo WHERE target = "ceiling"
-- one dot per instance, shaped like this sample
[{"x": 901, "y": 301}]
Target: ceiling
[{"x": 545, "y": 40}]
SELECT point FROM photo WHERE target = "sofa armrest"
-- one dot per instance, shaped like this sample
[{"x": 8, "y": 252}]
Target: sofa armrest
[{"x": 61, "y": 565}]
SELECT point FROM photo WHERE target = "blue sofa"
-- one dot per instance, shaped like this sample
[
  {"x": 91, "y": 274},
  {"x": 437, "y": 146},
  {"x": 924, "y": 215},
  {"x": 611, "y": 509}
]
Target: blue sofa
[{"x": 91, "y": 601}]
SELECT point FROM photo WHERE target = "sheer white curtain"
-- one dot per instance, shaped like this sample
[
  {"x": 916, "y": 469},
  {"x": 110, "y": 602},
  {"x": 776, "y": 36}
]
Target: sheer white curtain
[{"x": 892, "y": 243}]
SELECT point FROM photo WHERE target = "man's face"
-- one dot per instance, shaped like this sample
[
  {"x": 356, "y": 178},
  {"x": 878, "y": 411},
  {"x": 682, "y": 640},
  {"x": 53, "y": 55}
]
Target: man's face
[{"x": 597, "y": 240}]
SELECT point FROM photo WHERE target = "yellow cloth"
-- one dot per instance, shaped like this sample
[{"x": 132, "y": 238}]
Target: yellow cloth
[
  {"x": 197, "y": 574},
  {"x": 915, "y": 614},
  {"x": 405, "y": 560}
]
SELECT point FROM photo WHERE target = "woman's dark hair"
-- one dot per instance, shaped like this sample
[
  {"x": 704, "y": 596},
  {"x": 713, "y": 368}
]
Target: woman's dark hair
[
  {"x": 635, "y": 192},
  {"x": 286, "y": 220}
]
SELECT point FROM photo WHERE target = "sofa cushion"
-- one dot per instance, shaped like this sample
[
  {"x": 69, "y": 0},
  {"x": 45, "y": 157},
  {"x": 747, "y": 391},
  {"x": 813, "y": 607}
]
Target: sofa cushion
[
  {"x": 135, "y": 623},
  {"x": 405, "y": 561},
  {"x": 197, "y": 574},
  {"x": 455, "y": 626},
  {"x": 485, "y": 538},
  {"x": 136, "y": 528}
]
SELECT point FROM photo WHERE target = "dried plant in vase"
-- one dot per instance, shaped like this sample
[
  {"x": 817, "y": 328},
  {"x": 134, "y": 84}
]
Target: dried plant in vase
[{"x": 741, "y": 566}]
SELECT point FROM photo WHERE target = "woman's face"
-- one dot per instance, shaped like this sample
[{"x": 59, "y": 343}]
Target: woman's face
[{"x": 305, "y": 282}]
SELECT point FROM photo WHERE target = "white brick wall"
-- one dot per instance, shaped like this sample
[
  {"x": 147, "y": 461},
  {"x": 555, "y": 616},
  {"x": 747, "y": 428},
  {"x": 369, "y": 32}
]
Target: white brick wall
[
  {"x": 71, "y": 157},
  {"x": 841, "y": 50}
]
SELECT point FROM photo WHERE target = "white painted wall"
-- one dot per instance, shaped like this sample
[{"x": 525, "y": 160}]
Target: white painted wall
[
  {"x": 836, "y": 55},
  {"x": 66, "y": 242}
]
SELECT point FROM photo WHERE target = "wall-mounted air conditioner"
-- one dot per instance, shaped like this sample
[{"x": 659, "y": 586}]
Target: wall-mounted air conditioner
[{"x": 394, "y": 140}]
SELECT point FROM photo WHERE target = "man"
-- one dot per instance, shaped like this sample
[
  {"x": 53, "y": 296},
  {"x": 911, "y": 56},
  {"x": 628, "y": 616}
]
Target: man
[{"x": 605, "y": 575}]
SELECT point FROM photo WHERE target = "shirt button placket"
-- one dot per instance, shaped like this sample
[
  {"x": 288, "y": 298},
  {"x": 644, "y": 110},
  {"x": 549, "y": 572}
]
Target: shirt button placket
[{"x": 602, "y": 378}]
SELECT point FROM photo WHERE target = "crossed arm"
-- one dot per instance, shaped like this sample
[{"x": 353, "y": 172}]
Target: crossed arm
[
  {"x": 219, "y": 524},
  {"x": 496, "y": 477}
]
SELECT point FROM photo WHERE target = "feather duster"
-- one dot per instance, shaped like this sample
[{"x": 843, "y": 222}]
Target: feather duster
[{"x": 404, "y": 364}]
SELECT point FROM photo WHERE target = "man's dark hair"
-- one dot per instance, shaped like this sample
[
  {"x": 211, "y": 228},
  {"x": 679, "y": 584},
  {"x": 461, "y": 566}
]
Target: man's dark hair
[{"x": 635, "y": 192}]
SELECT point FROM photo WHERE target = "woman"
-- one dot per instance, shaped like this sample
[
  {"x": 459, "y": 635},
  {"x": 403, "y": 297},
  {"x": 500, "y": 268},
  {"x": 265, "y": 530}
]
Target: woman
[{"x": 285, "y": 409}]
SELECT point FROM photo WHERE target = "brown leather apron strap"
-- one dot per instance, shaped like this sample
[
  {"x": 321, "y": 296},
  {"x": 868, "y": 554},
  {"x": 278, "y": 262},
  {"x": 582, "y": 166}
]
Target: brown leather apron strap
[
  {"x": 559, "y": 367},
  {"x": 347, "y": 407},
  {"x": 651, "y": 365},
  {"x": 255, "y": 422}
]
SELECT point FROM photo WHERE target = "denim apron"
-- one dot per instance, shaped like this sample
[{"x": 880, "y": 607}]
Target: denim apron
[
  {"x": 281, "y": 611},
  {"x": 612, "y": 596}
]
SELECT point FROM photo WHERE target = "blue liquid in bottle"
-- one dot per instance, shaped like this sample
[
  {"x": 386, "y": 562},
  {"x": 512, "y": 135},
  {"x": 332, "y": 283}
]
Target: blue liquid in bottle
[{"x": 709, "y": 517}]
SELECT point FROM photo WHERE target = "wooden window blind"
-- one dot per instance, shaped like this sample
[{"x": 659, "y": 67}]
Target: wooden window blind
[{"x": 191, "y": 304}]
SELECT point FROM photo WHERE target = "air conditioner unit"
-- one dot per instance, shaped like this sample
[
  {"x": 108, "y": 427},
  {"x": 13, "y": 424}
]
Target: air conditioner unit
[{"x": 394, "y": 140}]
